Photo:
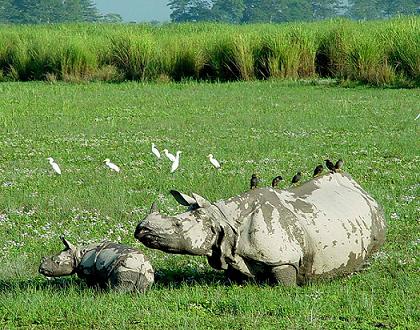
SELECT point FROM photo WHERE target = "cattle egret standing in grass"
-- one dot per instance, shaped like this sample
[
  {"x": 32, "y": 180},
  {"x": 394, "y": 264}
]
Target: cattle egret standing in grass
[
  {"x": 175, "y": 163},
  {"x": 169, "y": 155},
  {"x": 54, "y": 165},
  {"x": 112, "y": 166},
  {"x": 155, "y": 151},
  {"x": 214, "y": 161}
]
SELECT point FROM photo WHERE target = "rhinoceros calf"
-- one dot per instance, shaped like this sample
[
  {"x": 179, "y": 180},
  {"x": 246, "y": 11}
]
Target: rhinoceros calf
[
  {"x": 323, "y": 228},
  {"x": 104, "y": 264}
]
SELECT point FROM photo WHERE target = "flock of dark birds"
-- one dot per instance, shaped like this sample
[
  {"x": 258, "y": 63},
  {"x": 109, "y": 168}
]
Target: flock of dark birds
[{"x": 317, "y": 171}]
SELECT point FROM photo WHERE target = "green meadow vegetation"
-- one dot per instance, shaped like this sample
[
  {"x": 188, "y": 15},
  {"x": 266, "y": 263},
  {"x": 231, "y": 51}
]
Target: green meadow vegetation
[
  {"x": 379, "y": 53},
  {"x": 265, "y": 127}
]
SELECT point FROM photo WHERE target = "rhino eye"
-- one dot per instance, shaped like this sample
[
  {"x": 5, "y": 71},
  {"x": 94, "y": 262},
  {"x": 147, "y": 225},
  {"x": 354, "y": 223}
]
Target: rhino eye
[{"x": 178, "y": 223}]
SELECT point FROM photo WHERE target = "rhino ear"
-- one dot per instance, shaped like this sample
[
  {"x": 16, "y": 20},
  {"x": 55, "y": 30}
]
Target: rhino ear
[
  {"x": 154, "y": 208},
  {"x": 201, "y": 201},
  {"x": 67, "y": 244},
  {"x": 182, "y": 198}
]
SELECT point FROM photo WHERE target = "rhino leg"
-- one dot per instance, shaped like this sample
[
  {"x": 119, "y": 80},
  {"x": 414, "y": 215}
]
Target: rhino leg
[
  {"x": 235, "y": 275},
  {"x": 93, "y": 282},
  {"x": 284, "y": 274},
  {"x": 124, "y": 280}
]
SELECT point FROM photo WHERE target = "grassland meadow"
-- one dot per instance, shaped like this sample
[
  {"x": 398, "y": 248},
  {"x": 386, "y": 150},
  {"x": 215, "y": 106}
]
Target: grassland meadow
[{"x": 268, "y": 127}]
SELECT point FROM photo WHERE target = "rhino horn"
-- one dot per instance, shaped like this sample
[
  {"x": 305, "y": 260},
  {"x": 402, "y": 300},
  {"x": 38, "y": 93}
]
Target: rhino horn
[
  {"x": 201, "y": 201},
  {"x": 183, "y": 199},
  {"x": 154, "y": 208},
  {"x": 67, "y": 244}
]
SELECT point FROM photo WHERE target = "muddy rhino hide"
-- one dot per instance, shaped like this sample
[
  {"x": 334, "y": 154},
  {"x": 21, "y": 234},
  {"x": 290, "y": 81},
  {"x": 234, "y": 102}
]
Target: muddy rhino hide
[
  {"x": 224, "y": 256},
  {"x": 116, "y": 266},
  {"x": 223, "y": 250},
  {"x": 104, "y": 265}
]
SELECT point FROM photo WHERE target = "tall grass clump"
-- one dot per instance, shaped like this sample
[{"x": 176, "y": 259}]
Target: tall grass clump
[
  {"x": 77, "y": 61},
  {"x": 134, "y": 56},
  {"x": 287, "y": 55},
  {"x": 180, "y": 60},
  {"x": 43, "y": 59},
  {"x": 231, "y": 58},
  {"x": 332, "y": 53},
  {"x": 23, "y": 57},
  {"x": 381, "y": 53},
  {"x": 367, "y": 61},
  {"x": 13, "y": 56},
  {"x": 404, "y": 50}
]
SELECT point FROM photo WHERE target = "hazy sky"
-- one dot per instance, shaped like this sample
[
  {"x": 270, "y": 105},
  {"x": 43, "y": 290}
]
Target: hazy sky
[{"x": 136, "y": 10}]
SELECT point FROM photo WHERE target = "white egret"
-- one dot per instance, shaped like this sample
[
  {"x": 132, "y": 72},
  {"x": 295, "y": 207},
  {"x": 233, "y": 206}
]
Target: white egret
[
  {"x": 169, "y": 155},
  {"x": 175, "y": 163},
  {"x": 214, "y": 161},
  {"x": 155, "y": 151},
  {"x": 54, "y": 165},
  {"x": 112, "y": 166}
]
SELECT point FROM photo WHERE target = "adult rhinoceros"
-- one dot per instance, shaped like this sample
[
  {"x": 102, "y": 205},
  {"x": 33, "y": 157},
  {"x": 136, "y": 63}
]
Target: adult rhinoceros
[{"x": 323, "y": 228}]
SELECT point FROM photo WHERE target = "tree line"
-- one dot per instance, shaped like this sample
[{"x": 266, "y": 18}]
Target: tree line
[
  {"x": 230, "y": 11},
  {"x": 52, "y": 11},
  {"x": 258, "y": 11}
]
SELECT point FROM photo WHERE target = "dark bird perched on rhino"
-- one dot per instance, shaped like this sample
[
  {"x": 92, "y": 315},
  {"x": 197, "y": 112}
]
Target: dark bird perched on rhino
[
  {"x": 318, "y": 170},
  {"x": 339, "y": 164},
  {"x": 297, "y": 177},
  {"x": 276, "y": 181},
  {"x": 326, "y": 227},
  {"x": 330, "y": 165},
  {"x": 254, "y": 181},
  {"x": 104, "y": 264}
]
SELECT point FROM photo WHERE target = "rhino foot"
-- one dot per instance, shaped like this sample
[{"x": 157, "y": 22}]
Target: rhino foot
[{"x": 285, "y": 274}]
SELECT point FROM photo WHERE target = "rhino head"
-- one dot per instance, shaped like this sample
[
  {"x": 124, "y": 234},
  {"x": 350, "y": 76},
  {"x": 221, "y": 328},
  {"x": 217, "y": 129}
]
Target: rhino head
[
  {"x": 61, "y": 264},
  {"x": 193, "y": 232}
]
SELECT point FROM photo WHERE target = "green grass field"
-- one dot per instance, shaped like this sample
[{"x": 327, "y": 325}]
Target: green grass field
[{"x": 266, "y": 127}]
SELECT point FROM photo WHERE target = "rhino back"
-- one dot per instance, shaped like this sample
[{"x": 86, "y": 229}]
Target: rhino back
[
  {"x": 343, "y": 223},
  {"x": 102, "y": 258}
]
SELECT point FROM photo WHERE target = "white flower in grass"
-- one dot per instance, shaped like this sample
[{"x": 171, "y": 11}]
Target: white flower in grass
[{"x": 395, "y": 216}]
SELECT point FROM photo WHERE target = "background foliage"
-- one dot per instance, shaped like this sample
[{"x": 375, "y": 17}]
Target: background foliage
[
  {"x": 228, "y": 11},
  {"x": 52, "y": 11}
]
